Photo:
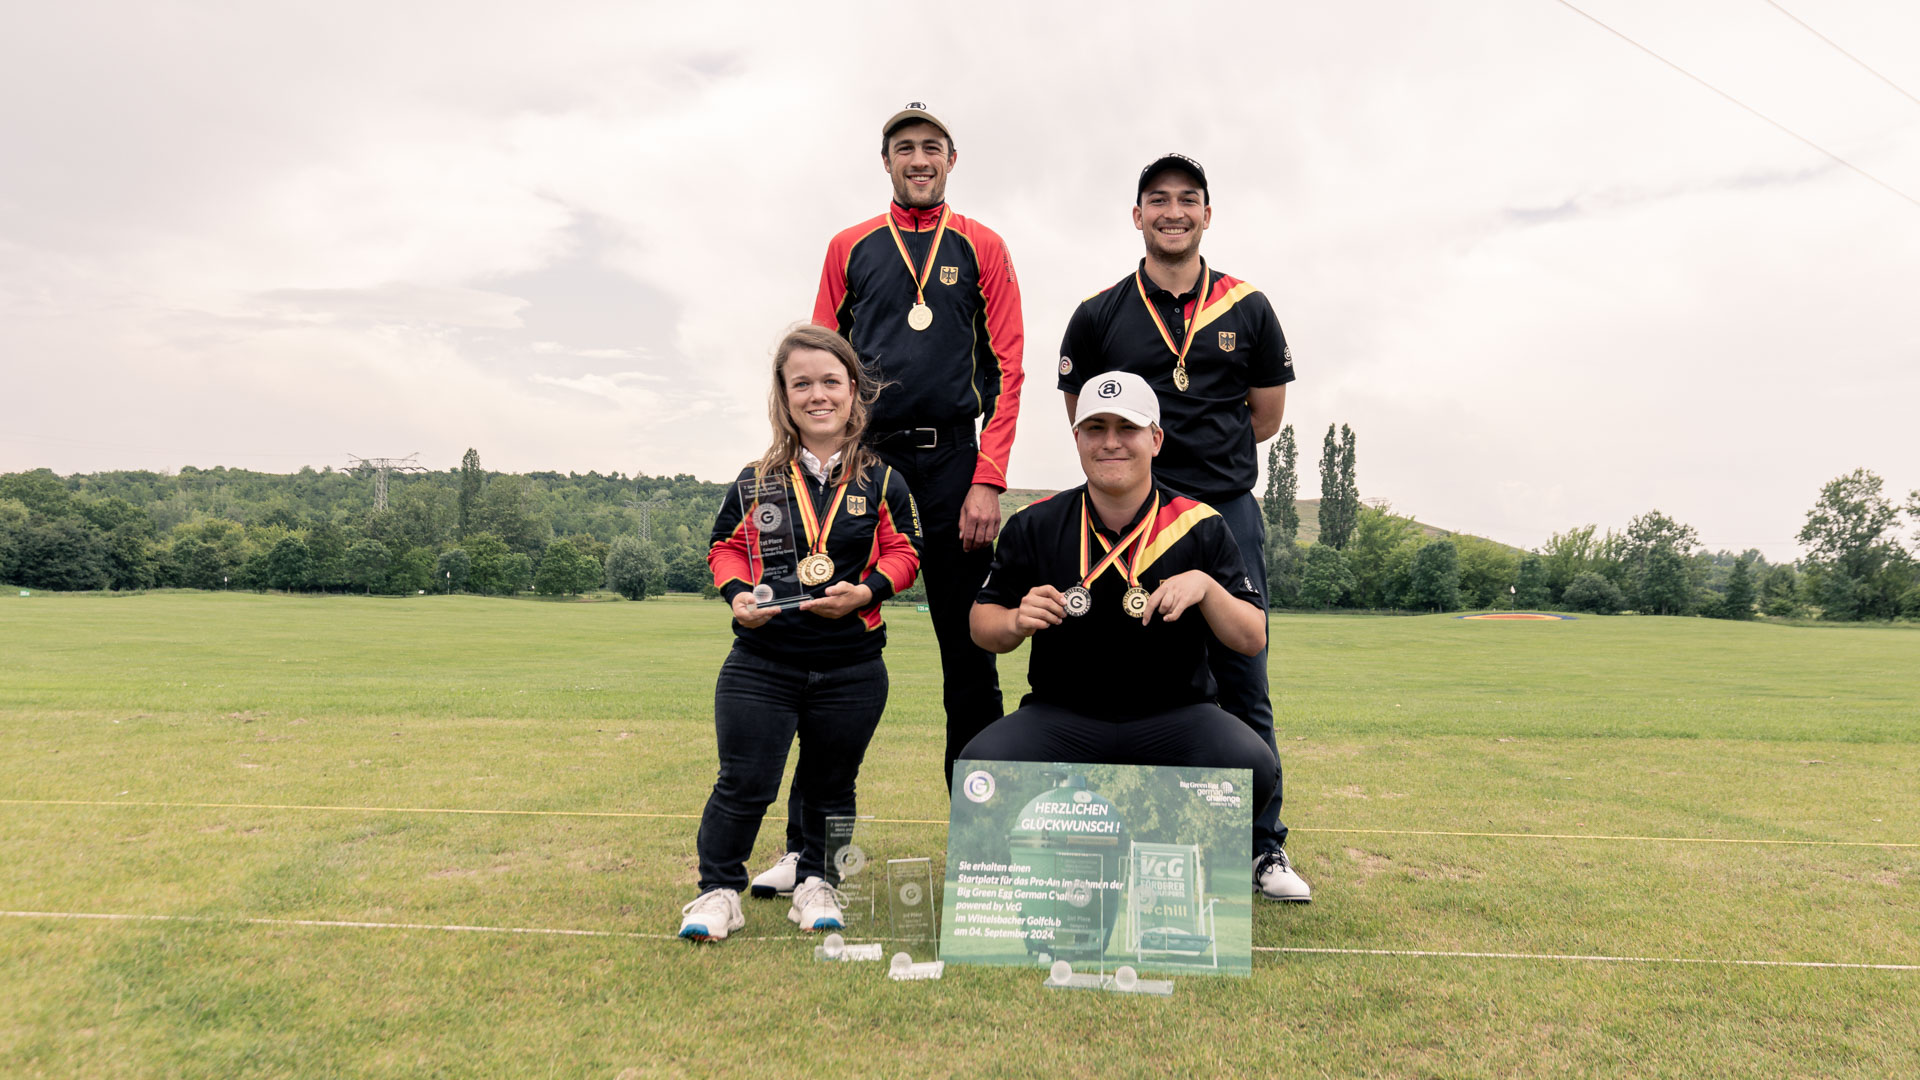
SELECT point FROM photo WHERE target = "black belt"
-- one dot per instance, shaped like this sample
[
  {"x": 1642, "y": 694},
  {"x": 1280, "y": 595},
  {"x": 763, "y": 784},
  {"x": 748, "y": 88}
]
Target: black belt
[{"x": 926, "y": 438}]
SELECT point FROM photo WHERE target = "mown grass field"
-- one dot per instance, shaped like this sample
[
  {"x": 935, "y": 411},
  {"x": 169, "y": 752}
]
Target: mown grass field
[{"x": 1598, "y": 788}]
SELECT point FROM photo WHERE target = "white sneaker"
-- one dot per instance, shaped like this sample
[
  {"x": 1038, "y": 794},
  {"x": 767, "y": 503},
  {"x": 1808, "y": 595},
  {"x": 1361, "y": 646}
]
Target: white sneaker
[
  {"x": 816, "y": 906},
  {"x": 712, "y": 916},
  {"x": 777, "y": 880},
  {"x": 1273, "y": 875}
]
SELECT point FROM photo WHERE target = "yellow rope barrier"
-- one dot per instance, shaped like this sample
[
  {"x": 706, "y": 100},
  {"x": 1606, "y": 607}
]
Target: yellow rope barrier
[{"x": 930, "y": 821}]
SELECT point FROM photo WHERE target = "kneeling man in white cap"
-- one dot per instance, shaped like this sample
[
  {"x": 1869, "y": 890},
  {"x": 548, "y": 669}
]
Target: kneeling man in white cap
[{"x": 1117, "y": 583}]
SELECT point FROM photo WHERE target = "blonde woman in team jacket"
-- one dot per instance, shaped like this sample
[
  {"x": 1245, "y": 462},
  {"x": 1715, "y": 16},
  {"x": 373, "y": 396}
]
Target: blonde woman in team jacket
[{"x": 813, "y": 671}]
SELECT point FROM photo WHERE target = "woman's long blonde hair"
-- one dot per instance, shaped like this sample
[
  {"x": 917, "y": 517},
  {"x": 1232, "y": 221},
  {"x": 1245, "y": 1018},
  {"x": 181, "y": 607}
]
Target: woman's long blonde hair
[{"x": 855, "y": 455}]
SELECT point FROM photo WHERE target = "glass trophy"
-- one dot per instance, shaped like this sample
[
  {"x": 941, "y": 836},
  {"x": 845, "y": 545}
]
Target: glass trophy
[
  {"x": 851, "y": 872},
  {"x": 911, "y": 923},
  {"x": 1085, "y": 900},
  {"x": 770, "y": 519},
  {"x": 1075, "y": 913}
]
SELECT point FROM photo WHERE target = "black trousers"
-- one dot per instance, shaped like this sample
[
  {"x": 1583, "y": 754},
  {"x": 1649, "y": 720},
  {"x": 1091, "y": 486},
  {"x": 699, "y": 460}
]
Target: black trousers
[
  {"x": 759, "y": 706},
  {"x": 1203, "y": 734},
  {"x": 940, "y": 477}
]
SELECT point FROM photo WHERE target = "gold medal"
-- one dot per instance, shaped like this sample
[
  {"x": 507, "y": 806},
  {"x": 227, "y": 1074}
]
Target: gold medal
[
  {"x": 1181, "y": 380},
  {"x": 1135, "y": 602},
  {"x": 816, "y": 569},
  {"x": 920, "y": 316}
]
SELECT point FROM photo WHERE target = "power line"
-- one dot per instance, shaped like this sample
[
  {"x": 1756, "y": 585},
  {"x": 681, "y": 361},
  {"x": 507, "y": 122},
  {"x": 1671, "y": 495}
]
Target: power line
[
  {"x": 1737, "y": 101},
  {"x": 1842, "y": 52}
]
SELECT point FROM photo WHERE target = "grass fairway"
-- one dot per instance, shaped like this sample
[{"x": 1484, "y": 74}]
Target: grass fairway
[{"x": 1598, "y": 788}]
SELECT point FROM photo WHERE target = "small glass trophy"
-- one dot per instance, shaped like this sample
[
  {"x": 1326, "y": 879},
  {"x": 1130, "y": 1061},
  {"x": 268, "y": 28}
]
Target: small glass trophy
[
  {"x": 770, "y": 521},
  {"x": 1084, "y": 898},
  {"x": 1076, "y": 917},
  {"x": 851, "y": 871},
  {"x": 910, "y": 906}
]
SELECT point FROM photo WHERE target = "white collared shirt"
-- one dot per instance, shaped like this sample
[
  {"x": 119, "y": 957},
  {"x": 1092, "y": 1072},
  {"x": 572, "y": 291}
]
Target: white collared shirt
[{"x": 813, "y": 466}]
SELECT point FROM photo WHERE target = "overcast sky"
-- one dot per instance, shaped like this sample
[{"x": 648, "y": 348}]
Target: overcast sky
[{"x": 1546, "y": 279}]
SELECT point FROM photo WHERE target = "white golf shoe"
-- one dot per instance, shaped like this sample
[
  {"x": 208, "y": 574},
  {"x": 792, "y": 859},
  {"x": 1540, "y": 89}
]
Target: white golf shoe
[
  {"x": 816, "y": 906},
  {"x": 778, "y": 879},
  {"x": 1274, "y": 876},
  {"x": 712, "y": 916}
]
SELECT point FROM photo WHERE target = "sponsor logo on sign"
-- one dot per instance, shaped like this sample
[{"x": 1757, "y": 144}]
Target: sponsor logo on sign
[
  {"x": 856, "y": 505},
  {"x": 1163, "y": 867},
  {"x": 978, "y": 786},
  {"x": 1220, "y": 794},
  {"x": 1226, "y": 340},
  {"x": 949, "y": 275},
  {"x": 1066, "y": 365},
  {"x": 1083, "y": 796}
]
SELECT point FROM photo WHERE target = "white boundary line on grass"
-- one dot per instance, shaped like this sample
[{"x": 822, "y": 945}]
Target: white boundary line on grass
[
  {"x": 929, "y": 821},
  {"x": 345, "y": 924}
]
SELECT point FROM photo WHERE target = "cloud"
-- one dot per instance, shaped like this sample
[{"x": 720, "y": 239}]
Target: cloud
[
  {"x": 396, "y": 303},
  {"x": 1547, "y": 279}
]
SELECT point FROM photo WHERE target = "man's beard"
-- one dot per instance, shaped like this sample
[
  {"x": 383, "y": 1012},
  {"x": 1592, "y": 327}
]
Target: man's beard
[{"x": 905, "y": 195}]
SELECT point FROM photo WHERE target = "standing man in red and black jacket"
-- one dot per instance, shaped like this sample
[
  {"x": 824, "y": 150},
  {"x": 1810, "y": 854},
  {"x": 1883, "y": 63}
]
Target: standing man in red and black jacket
[{"x": 930, "y": 302}]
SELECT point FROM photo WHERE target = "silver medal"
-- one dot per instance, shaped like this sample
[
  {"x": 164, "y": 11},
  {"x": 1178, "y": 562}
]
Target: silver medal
[{"x": 1077, "y": 600}]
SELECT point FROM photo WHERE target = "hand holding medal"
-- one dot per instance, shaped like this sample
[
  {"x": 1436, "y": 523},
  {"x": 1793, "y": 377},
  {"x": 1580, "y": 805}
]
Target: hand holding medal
[
  {"x": 1175, "y": 595},
  {"x": 1043, "y": 606}
]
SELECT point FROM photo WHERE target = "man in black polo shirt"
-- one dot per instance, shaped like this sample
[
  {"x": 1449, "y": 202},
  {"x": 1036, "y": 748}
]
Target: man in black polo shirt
[
  {"x": 1119, "y": 582},
  {"x": 1213, "y": 349}
]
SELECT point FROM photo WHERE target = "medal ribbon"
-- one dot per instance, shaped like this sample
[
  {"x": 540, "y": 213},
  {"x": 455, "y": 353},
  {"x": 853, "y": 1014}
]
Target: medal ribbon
[
  {"x": 1179, "y": 354},
  {"x": 920, "y": 276},
  {"x": 809, "y": 516},
  {"x": 1137, "y": 538}
]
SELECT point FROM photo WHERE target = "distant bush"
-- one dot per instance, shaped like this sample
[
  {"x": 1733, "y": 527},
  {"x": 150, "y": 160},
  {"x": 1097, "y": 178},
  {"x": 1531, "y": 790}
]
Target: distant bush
[
  {"x": 1325, "y": 580},
  {"x": 635, "y": 568},
  {"x": 1591, "y": 592}
]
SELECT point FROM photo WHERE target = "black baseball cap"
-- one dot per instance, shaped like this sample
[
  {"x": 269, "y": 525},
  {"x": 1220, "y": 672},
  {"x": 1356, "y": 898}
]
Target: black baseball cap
[{"x": 1173, "y": 161}]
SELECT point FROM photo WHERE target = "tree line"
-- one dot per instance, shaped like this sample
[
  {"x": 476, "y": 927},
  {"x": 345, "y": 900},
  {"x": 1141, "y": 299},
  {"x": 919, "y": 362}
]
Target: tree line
[
  {"x": 1367, "y": 557},
  {"x": 461, "y": 530},
  {"x": 471, "y": 530}
]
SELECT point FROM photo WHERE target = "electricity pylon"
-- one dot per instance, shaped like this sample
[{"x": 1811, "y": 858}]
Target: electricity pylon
[
  {"x": 381, "y": 467},
  {"x": 646, "y": 514}
]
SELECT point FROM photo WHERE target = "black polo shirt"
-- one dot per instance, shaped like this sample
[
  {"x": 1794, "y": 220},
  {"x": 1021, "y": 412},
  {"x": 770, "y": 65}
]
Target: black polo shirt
[
  {"x": 1104, "y": 664},
  {"x": 1238, "y": 345}
]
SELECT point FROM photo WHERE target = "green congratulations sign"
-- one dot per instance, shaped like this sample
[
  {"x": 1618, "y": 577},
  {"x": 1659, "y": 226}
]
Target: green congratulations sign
[{"x": 1099, "y": 865}]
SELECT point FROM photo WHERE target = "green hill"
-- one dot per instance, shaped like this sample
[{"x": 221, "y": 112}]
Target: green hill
[{"x": 1309, "y": 510}]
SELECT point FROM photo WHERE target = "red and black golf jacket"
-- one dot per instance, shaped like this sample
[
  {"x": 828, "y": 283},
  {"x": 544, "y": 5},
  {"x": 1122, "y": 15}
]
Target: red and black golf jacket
[{"x": 967, "y": 363}]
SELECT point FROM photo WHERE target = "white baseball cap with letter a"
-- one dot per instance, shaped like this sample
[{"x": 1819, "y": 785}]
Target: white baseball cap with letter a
[{"x": 1120, "y": 393}]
